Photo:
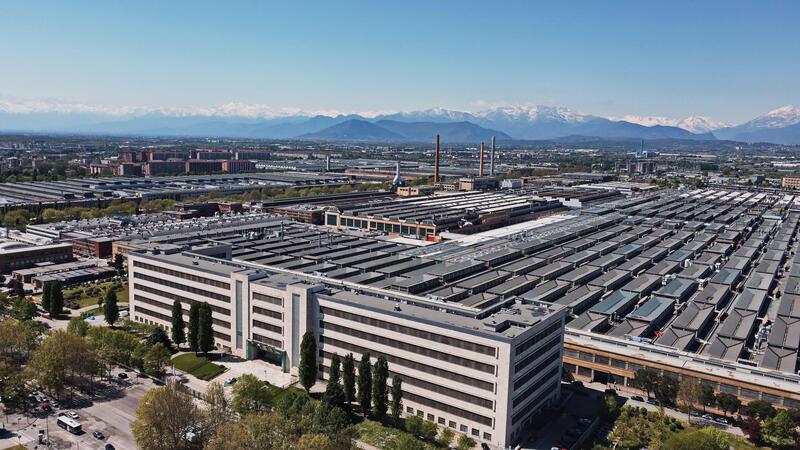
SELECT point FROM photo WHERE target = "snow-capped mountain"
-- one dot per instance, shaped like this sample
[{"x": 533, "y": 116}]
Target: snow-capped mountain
[
  {"x": 779, "y": 126},
  {"x": 534, "y": 113},
  {"x": 777, "y": 118},
  {"x": 695, "y": 124}
]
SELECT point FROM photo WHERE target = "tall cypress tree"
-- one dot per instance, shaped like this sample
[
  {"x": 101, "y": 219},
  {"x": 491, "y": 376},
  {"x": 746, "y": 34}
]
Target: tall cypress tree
[
  {"x": 307, "y": 369},
  {"x": 334, "y": 394},
  {"x": 194, "y": 326},
  {"x": 178, "y": 332},
  {"x": 110, "y": 308},
  {"x": 335, "y": 373},
  {"x": 205, "y": 329},
  {"x": 397, "y": 398},
  {"x": 56, "y": 299},
  {"x": 349, "y": 378},
  {"x": 380, "y": 395},
  {"x": 47, "y": 295},
  {"x": 365, "y": 384}
]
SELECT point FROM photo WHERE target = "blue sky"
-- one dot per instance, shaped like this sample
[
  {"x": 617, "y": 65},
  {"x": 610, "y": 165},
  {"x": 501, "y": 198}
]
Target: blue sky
[{"x": 725, "y": 59}]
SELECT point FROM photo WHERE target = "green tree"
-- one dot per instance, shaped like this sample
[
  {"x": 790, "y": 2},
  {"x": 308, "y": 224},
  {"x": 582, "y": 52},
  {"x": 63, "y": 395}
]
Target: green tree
[
  {"x": 47, "y": 295},
  {"x": 666, "y": 390},
  {"x": 159, "y": 336},
  {"x": 17, "y": 219},
  {"x": 779, "y": 430},
  {"x": 218, "y": 409},
  {"x": 445, "y": 437},
  {"x": 110, "y": 308},
  {"x": 365, "y": 383},
  {"x": 250, "y": 395},
  {"x": 689, "y": 395},
  {"x": 23, "y": 309},
  {"x": 728, "y": 403},
  {"x": 119, "y": 263},
  {"x": 758, "y": 409},
  {"x": 380, "y": 395},
  {"x": 56, "y": 299},
  {"x": 78, "y": 326},
  {"x": 61, "y": 359},
  {"x": 707, "y": 397},
  {"x": 178, "y": 333},
  {"x": 704, "y": 439},
  {"x": 335, "y": 372},
  {"x": 465, "y": 442},
  {"x": 349, "y": 378},
  {"x": 156, "y": 358},
  {"x": 397, "y": 398},
  {"x": 429, "y": 430},
  {"x": 334, "y": 394},
  {"x": 414, "y": 425},
  {"x": 646, "y": 380},
  {"x": 307, "y": 369},
  {"x": 205, "y": 329},
  {"x": 405, "y": 442},
  {"x": 163, "y": 418},
  {"x": 194, "y": 326}
]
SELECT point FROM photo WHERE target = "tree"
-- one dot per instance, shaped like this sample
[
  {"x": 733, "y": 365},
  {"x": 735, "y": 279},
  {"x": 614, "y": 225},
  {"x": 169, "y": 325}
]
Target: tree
[
  {"x": 47, "y": 295},
  {"x": 194, "y": 326},
  {"x": 159, "y": 336},
  {"x": 60, "y": 359},
  {"x": 250, "y": 395},
  {"x": 445, "y": 437},
  {"x": 110, "y": 308},
  {"x": 646, "y": 380},
  {"x": 751, "y": 428},
  {"x": 205, "y": 329},
  {"x": 307, "y": 369},
  {"x": 16, "y": 286},
  {"x": 349, "y": 378},
  {"x": 758, "y": 409},
  {"x": 728, "y": 403},
  {"x": 429, "y": 430},
  {"x": 56, "y": 299},
  {"x": 707, "y": 397},
  {"x": 314, "y": 442},
  {"x": 405, "y": 442},
  {"x": 380, "y": 395},
  {"x": 23, "y": 309},
  {"x": 164, "y": 417},
  {"x": 335, "y": 373},
  {"x": 218, "y": 410},
  {"x": 689, "y": 395},
  {"x": 255, "y": 431},
  {"x": 119, "y": 263},
  {"x": 156, "y": 358},
  {"x": 397, "y": 398},
  {"x": 779, "y": 430},
  {"x": 334, "y": 394},
  {"x": 414, "y": 425},
  {"x": 78, "y": 326},
  {"x": 465, "y": 442},
  {"x": 178, "y": 333},
  {"x": 666, "y": 390},
  {"x": 704, "y": 439},
  {"x": 365, "y": 383}
]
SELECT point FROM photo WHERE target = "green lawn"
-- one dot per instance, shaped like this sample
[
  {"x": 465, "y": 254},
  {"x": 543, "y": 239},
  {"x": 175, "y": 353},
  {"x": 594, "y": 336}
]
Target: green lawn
[
  {"x": 380, "y": 436},
  {"x": 197, "y": 366},
  {"x": 88, "y": 295}
]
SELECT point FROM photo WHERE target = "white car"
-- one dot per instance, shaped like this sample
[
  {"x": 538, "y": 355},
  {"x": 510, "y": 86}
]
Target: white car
[{"x": 73, "y": 415}]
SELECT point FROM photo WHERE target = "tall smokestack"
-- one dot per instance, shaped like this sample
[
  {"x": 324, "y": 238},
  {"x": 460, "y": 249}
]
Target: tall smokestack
[
  {"x": 436, "y": 162},
  {"x": 480, "y": 164},
  {"x": 491, "y": 159},
  {"x": 328, "y": 163}
]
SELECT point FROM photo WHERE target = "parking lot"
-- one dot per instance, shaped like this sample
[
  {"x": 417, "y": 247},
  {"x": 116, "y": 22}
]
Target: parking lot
[{"x": 110, "y": 411}]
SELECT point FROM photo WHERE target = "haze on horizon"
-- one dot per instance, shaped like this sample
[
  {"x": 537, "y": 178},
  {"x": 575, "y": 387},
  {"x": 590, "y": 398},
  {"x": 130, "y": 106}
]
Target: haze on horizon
[{"x": 727, "y": 60}]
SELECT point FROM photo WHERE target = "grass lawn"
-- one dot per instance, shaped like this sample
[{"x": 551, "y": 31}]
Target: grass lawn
[
  {"x": 88, "y": 295},
  {"x": 380, "y": 436},
  {"x": 276, "y": 393},
  {"x": 197, "y": 366}
]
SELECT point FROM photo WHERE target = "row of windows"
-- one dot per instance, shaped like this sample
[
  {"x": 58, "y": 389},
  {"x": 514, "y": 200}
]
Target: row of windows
[
  {"x": 269, "y": 341},
  {"x": 482, "y": 402},
  {"x": 555, "y": 342},
  {"x": 183, "y": 287},
  {"x": 166, "y": 318},
  {"x": 469, "y": 415},
  {"x": 411, "y": 364},
  {"x": 449, "y": 357},
  {"x": 181, "y": 299},
  {"x": 446, "y": 340},
  {"x": 525, "y": 412},
  {"x": 268, "y": 313},
  {"x": 185, "y": 276},
  {"x": 441, "y": 421},
  {"x": 537, "y": 338},
  {"x": 554, "y": 372},
  {"x": 267, "y": 326},
  {"x": 268, "y": 299},
  {"x": 150, "y": 301},
  {"x": 532, "y": 373}
]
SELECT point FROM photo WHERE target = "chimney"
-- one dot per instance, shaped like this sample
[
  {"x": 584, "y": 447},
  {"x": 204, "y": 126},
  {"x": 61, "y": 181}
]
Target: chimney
[
  {"x": 436, "y": 162},
  {"x": 480, "y": 164},
  {"x": 491, "y": 159},
  {"x": 328, "y": 163}
]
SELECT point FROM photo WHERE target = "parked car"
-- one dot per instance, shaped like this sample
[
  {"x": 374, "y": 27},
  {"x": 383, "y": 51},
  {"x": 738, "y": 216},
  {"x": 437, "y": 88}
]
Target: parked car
[
  {"x": 638, "y": 398},
  {"x": 73, "y": 415},
  {"x": 122, "y": 375},
  {"x": 708, "y": 417},
  {"x": 109, "y": 447},
  {"x": 46, "y": 407},
  {"x": 54, "y": 403},
  {"x": 722, "y": 420},
  {"x": 98, "y": 435}
]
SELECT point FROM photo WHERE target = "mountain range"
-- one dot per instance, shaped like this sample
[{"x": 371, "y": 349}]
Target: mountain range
[{"x": 780, "y": 126}]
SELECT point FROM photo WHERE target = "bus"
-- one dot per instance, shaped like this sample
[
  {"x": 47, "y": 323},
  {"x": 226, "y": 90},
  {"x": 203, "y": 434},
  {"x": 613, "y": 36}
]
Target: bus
[{"x": 69, "y": 425}]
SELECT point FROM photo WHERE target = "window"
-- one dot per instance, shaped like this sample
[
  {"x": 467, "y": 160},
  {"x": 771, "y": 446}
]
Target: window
[
  {"x": 533, "y": 373},
  {"x": 268, "y": 313},
  {"x": 538, "y": 337},
  {"x": 586, "y": 356},
  {"x": 601, "y": 359},
  {"x": 469, "y": 415},
  {"x": 570, "y": 353},
  {"x": 556, "y": 342},
  {"x": 182, "y": 287},
  {"x": 748, "y": 393},
  {"x": 441, "y": 420},
  {"x": 420, "y": 413},
  {"x": 475, "y": 432},
  {"x": 487, "y": 436},
  {"x": 463, "y": 428},
  {"x": 409, "y": 410},
  {"x": 268, "y": 299},
  {"x": 728, "y": 389},
  {"x": 619, "y": 364},
  {"x": 269, "y": 327},
  {"x": 269, "y": 341},
  {"x": 183, "y": 275},
  {"x": 774, "y": 399},
  {"x": 451, "y": 424},
  {"x": 430, "y": 417}
]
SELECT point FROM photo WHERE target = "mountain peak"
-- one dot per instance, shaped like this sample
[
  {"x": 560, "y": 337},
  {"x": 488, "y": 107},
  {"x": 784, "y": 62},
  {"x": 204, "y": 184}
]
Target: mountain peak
[{"x": 777, "y": 118}]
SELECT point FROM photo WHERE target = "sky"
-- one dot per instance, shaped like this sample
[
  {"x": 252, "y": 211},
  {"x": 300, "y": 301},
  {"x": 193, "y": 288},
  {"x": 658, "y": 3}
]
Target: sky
[{"x": 729, "y": 60}]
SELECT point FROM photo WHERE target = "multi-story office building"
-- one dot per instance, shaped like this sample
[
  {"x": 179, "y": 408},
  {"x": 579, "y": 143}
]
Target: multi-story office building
[{"x": 482, "y": 371}]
